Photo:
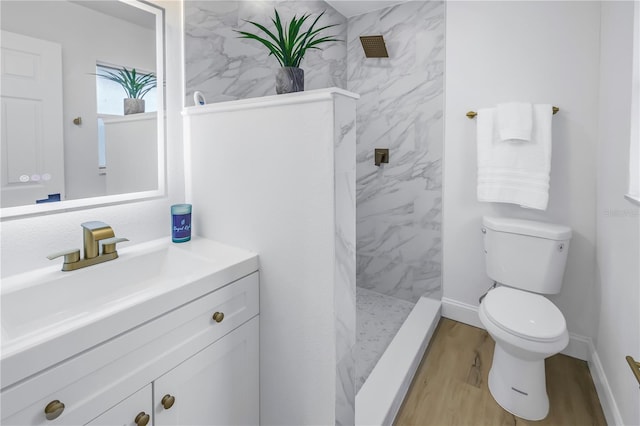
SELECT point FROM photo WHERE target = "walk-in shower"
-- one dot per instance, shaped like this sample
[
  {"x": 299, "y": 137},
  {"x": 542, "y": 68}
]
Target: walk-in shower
[{"x": 398, "y": 204}]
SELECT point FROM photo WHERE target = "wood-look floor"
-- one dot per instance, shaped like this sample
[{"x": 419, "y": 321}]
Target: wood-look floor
[{"x": 450, "y": 386}]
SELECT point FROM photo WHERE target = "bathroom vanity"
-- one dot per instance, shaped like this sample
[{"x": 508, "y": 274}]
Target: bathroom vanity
[{"x": 167, "y": 334}]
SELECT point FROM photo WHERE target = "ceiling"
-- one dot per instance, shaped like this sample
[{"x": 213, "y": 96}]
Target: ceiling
[{"x": 350, "y": 8}]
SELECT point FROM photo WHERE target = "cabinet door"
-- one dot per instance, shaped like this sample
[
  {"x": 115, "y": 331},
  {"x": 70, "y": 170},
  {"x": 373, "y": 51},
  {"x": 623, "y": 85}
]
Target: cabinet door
[
  {"x": 217, "y": 386},
  {"x": 133, "y": 411}
]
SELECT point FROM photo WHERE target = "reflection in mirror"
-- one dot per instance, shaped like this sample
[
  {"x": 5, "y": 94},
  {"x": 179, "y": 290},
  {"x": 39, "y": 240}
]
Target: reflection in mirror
[{"x": 70, "y": 137}]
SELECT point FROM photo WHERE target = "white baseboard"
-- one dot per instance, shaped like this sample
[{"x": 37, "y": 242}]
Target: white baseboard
[
  {"x": 461, "y": 312},
  {"x": 605, "y": 394},
  {"x": 578, "y": 347}
]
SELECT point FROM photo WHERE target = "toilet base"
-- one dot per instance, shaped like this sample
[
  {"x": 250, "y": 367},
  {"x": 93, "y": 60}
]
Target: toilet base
[{"x": 519, "y": 386}]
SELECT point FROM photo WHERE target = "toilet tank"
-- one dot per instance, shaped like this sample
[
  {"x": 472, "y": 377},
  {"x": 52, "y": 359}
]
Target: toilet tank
[{"x": 526, "y": 254}]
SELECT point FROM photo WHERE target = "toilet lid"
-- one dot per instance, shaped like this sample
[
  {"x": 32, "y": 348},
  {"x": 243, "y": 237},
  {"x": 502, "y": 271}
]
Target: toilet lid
[{"x": 527, "y": 315}]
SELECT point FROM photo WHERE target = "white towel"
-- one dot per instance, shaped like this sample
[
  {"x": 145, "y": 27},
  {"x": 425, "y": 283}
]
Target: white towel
[
  {"x": 514, "y": 171},
  {"x": 515, "y": 121}
]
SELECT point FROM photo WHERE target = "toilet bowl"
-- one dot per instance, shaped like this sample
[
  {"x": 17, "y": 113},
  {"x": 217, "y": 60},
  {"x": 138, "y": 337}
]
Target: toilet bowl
[
  {"x": 526, "y": 259},
  {"x": 527, "y": 328}
]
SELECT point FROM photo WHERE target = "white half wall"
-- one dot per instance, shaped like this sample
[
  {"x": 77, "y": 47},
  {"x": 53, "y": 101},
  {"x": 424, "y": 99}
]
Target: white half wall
[
  {"x": 276, "y": 175},
  {"x": 128, "y": 140},
  {"x": 541, "y": 52}
]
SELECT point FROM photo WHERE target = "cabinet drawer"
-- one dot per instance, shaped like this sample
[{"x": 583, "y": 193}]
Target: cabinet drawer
[{"x": 100, "y": 378}]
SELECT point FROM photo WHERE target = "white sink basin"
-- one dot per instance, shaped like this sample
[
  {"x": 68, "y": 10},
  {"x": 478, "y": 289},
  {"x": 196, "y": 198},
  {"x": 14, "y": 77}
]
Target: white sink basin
[{"x": 67, "y": 312}]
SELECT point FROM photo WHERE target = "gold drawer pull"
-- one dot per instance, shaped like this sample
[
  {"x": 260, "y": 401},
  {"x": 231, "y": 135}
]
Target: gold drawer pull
[
  {"x": 218, "y": 317},
  {"x": 53, "y": 410},
  {"x": 142, "y": 419},
  {"x": 167, "y": 401}
]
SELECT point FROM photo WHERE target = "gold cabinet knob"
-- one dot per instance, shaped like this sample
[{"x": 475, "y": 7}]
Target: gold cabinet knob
[
  {"x": 53, "y": 409},
  {"x": 142, "y": 419},
  {"x": 218, "y": 317},
  {"x": 167, "y": 401}
]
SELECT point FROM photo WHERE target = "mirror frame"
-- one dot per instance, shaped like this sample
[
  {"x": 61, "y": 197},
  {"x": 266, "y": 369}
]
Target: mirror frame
[{"x": 87, "y": 203}]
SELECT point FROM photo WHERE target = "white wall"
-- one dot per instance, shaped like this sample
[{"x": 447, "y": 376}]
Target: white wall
[
  {"x": 276, "y": 175},
  {"x": 27, "y": 242},
  {"x": 618, "y": 221},
  {"x": 542, "y": 52},
  {"x": 86, "y": 36}
]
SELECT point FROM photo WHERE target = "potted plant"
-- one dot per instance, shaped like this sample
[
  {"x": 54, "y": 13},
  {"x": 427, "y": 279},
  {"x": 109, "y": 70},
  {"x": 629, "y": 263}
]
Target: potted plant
[
  {"x": 136, "y": 85},
  {"x": 289, "y": 47}
]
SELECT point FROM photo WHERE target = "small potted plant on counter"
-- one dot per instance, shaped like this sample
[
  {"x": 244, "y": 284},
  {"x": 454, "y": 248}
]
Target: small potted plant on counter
[
  {"x": 289, "y": 47},
  {"x": 136, "y": 85}
]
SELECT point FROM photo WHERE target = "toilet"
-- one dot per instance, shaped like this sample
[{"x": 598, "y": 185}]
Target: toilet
[{"x": 526, "y": 259}]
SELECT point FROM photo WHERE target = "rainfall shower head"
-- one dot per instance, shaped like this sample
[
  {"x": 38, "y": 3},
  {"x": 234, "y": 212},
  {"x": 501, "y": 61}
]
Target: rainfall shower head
[{"x": 374, "y": 46}]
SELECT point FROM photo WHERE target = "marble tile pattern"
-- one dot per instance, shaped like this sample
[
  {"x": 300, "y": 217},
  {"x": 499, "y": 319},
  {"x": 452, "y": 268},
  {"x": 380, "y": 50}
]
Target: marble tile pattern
[
  {"x": 225, "y": 67},
  {"x": 399, "y": 243},
  {"x": 344, "y": 152},
  {"x": 379, "y": 318}
]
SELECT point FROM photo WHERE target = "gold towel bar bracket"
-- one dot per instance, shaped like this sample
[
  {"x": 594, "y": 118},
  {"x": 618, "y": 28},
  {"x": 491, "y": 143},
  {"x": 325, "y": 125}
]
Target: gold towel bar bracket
[
  {"x": 472, "y": 114},
  {"x": 635, "y": 367}
]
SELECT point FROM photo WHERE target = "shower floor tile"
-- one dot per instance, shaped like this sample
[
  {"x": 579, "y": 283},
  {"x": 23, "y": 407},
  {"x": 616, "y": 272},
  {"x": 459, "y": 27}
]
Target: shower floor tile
[{"x": 378, "y": 319}]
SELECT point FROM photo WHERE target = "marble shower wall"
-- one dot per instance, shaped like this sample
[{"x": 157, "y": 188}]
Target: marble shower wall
[
  {"x": 344, "y": 298},
  {"x": 225, "y": 67},
  {"x": 399, "y": 242}
]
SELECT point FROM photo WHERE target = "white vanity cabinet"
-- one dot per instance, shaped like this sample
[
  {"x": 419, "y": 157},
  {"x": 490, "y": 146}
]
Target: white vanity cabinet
[
  {"x": 217, "y": 386},
  {"x": 203, "y": 353}
]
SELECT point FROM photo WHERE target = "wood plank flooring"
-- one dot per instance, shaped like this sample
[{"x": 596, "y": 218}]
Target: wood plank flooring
[{"x": 450, "y": 386}]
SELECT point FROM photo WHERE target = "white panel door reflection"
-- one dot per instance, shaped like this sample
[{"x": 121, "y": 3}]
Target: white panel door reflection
[{"x": 32, "y": 135}]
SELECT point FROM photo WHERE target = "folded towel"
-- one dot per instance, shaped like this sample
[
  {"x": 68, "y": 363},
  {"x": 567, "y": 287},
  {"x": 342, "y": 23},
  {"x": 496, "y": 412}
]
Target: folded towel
[
  {"x": 515, "y": 121},
  {"x": 514, "y": 171}
]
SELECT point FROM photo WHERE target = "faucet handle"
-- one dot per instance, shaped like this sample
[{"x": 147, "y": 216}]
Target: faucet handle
[
  {"x": 109, "y": 244},
  {"x": 70, "y": 256}
]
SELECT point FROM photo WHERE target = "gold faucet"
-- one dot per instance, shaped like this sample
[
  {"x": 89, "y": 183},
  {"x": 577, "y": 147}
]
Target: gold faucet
[{"x": 93, "y": 233}]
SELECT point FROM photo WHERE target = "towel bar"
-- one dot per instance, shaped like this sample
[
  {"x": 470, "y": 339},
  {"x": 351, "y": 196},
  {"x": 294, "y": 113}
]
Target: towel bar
[{"x": 472, "y": 114}]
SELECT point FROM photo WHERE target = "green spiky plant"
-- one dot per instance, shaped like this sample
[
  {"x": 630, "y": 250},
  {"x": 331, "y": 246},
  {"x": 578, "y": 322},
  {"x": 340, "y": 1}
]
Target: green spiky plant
[
  {"x": 291, "y": 43},
  {"x": 135, "y": 84}
]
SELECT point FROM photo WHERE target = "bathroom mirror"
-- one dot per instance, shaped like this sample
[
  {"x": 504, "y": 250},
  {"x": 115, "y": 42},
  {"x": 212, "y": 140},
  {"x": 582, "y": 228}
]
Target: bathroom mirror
[{"x": 66, "y": 141}]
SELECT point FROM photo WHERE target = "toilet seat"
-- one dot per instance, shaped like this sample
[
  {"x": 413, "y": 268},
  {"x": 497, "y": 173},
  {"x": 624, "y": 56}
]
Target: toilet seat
[{"x": 527, "y": 315}]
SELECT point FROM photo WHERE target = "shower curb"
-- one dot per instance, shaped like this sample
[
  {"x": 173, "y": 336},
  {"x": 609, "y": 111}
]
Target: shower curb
[{"x": 380, "y": 398}]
